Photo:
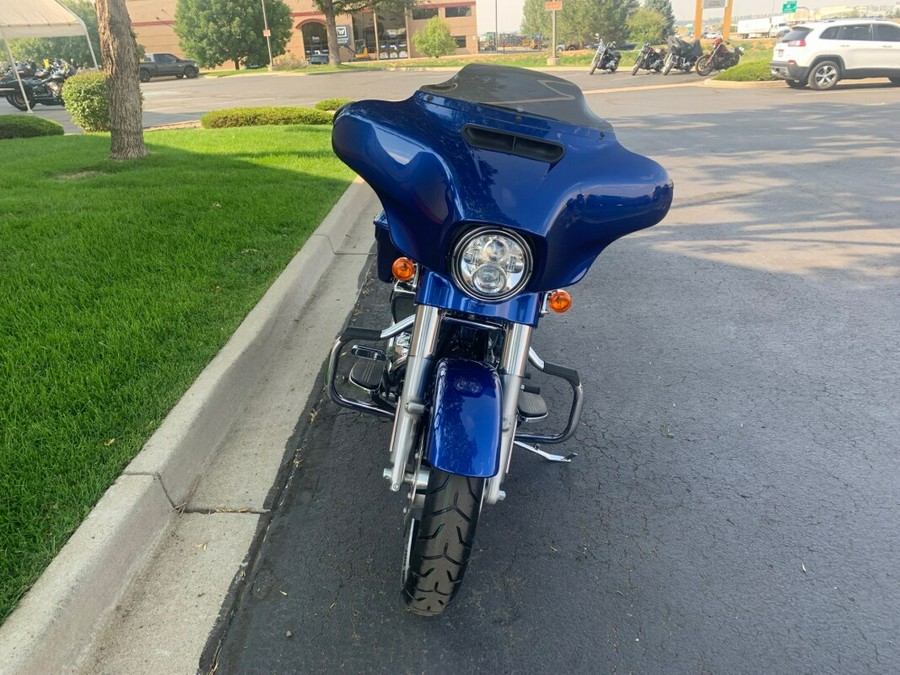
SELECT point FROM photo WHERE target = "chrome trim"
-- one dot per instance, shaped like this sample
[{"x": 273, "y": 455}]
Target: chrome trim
[
  {"x": 354, "y": 404},
  {"x": 535, "y": 360},
  {"x": 418, "y": 368},
  {"x": 512, "y": 371},
  {"x": 546, "y": 455},
  {"x": 399, "y": 327}
]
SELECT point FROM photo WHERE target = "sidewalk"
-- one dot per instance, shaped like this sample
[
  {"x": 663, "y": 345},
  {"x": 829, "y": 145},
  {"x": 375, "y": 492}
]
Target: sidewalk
[{"x": 139, "y": 585}]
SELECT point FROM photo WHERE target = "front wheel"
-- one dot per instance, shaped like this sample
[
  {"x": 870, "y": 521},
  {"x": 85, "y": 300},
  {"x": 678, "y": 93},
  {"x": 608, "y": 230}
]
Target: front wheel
[
  {"x": 594, "y": 65},
  {"x": 670, "y": 61},
  {"x": 704, "y": 65},
  {"x": 439, "y": 545},
  {"x": 190, "y": 72},
  {"x": 637, "y": 67},
  {"x": 824, "y": 75},
  {"x": 144, "y": 75},
  {"x": 894, "y": 80}
]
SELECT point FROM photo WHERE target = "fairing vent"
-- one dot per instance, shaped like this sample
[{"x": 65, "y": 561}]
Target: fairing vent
[{"x": 512, "y": 144}]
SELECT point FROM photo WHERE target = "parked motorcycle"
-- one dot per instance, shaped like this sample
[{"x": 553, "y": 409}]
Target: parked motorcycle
[
  {"x": 649, "y": 59},
  {"x": 719, "y": 59},
  {"x": 42, "y": 86},
  {"x": 606, "y": 57},
  {"x": 500, "y": 187},
  {"x": 681, "y": 54}
]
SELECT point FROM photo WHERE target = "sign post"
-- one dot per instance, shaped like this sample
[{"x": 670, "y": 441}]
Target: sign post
[{"x": 553, "y": 6}]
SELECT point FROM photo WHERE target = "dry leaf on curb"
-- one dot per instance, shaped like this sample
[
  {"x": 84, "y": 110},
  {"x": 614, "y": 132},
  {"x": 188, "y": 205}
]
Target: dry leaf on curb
[
  {"x": 202, "y": 546},
  {"x": 110, "y": 442}
]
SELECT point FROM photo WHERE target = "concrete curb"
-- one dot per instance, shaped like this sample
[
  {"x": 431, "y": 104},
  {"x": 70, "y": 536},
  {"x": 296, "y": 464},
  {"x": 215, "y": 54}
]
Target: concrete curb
[{"x": 53, "y": 625}]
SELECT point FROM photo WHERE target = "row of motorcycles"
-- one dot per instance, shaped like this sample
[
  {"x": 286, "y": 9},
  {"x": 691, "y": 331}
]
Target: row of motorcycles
[
  {"x": 680, "y": 55},
  {"x": 41, "y": 84}
]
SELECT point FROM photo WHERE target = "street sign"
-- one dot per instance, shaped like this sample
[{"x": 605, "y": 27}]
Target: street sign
[
  {"x": 553, "y": 6},
  {"x": 267, "y": 33},
  {"x": 713, "y": 4},
  {"x": 789, "y": 7}
]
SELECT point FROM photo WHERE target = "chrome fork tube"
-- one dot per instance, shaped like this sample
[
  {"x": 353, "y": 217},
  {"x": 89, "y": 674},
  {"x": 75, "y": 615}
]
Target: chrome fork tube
[
  {"x": 512, "y": 372},
  {"x": 412, "y": 401}
]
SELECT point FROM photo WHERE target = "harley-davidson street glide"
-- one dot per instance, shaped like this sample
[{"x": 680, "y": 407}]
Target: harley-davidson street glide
[{"x": 500, "y": 187}]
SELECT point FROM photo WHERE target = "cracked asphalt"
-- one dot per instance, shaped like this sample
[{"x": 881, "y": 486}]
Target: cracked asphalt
[{"x": 735, "y": 505}]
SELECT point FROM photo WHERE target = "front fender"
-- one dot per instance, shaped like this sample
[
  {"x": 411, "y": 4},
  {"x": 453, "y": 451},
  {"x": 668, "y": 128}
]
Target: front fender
[{"x": 463, "y": 434}]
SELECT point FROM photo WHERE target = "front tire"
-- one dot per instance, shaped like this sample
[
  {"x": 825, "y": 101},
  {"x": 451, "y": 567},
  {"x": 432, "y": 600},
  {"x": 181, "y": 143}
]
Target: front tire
[
  {"x": 594, "y": 65},
  {"x": 637, "y": 67},
  {"x": 895, "y": 80},
  {"x": 190, "y": 72},
  {"x": 824, "y": 75},
  {"x": 439, "y": 545},
  {"x": 704, "y": 66},
  {"x": 670, "y": 61},
  {"x": 144, "y": 75}
]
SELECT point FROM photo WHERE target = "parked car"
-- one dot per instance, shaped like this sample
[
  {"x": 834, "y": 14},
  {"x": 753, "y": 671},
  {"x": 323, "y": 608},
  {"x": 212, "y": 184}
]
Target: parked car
[
  {"x": 161, "y": 64},
  {"x": 820, "y": 54}
]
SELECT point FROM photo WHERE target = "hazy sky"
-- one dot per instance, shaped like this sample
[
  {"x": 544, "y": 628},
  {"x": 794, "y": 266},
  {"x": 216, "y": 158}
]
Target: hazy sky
[{"x": 509, "y": 12}]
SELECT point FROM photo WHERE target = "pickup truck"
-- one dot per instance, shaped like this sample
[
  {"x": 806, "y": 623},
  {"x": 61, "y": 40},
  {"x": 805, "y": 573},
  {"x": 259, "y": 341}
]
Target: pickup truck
[{"x": 161, "y": 65}]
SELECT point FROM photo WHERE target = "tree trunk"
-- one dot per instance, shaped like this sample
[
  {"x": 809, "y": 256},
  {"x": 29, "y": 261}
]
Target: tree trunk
[
  {"x": 334, "y": 56},
  {"x": 120, "y": 64}
]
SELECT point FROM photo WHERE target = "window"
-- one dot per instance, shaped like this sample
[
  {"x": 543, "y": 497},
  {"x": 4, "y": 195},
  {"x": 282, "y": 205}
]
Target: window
[
  {"x": 857, "y": 32},
  {"x": 887, "y": 32},
  {"x": 831, "y": 33},
  {"x": 460, "y": 41},
  {"x": 456, "y": 12},
  {"x": 422, "y": 13}
]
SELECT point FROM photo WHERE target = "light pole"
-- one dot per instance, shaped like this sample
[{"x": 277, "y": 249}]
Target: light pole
[
  {"x": 496, "y": 30},
  {"x": 267, "y": 33}
]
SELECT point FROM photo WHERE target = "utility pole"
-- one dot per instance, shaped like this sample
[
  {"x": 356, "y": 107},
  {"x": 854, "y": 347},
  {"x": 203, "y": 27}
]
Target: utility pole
[{"x": 267, "y": 33}]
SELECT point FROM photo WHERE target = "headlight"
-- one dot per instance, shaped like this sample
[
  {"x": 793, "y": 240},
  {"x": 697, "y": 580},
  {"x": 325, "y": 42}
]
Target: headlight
[{"x": 491, "y": 264}]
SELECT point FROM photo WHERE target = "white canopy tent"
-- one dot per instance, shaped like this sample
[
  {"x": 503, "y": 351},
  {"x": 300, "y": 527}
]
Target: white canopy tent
[{"x": 38, "y": 18}]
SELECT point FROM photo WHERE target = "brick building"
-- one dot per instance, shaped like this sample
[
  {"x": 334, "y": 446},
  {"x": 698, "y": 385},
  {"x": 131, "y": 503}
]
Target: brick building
[{"x": 153, "y": 22}]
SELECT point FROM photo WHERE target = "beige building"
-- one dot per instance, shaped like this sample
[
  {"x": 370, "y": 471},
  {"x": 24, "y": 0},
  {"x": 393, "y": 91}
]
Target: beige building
[{"x": 153, "y": 22}]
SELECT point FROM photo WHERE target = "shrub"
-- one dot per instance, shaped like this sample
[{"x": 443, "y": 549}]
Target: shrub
[
  {"x": 254, "y": 117},
  {"x": 289, "y": 62},
  {"x": 27, "y": 126},
  {"x": 332, "y": 104},
  {"x": 752, "y": 71},
  {"x": 87, "y": 101}
]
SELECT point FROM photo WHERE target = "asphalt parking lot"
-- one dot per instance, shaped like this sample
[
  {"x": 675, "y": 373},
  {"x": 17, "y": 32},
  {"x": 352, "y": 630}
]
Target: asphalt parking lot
[{"x": 734, "y": 506}]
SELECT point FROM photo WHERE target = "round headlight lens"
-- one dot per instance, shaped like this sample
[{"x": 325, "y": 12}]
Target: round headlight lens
[{"x": 492, "y": 264}]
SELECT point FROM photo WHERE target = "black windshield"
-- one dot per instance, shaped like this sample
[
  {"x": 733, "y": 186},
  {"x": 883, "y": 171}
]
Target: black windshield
[{"x": 525, "y": 91}]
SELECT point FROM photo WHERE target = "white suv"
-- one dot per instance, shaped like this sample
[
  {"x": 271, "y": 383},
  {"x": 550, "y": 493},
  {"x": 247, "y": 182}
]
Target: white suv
[{"x": 821, "y": 53}]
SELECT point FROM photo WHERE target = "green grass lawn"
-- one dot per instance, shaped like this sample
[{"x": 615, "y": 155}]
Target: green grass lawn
[{"x": 118, "y": 283}]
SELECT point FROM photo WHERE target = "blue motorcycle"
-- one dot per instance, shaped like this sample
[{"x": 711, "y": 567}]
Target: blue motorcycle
[{"x": 500, "y": 187}]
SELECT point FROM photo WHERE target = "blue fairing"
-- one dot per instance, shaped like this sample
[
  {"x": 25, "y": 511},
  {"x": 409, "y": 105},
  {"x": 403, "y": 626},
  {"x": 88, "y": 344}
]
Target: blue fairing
[
  {"x": 442, "y": 164},
  {"x": 464, "y": 432}
]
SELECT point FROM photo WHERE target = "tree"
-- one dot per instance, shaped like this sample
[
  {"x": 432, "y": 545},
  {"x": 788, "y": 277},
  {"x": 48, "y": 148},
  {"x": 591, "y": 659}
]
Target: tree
[
  {"x": 215, "y": 31},
  {"x": 647, "y": 25},
  {"x": 580, "y": 20},
  {"x": 334, "y": 8},
  {"x": 435, "y": 39},
  {"x": 120, "y": 65},
  {"x": 664, "y": 7},
  {"x": 72, "y": 49}
]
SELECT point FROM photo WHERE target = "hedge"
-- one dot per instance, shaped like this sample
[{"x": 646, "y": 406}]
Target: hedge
[
  {"x": 332, "y": 103},
  {"x": 27, "y": 126},
  {"x": 253, "y": 117}
]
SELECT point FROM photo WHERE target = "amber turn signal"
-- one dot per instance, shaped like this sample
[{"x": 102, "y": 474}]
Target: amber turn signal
[
  {"x": 403, "y": 269},
  {"x": 559, "y": 301}
]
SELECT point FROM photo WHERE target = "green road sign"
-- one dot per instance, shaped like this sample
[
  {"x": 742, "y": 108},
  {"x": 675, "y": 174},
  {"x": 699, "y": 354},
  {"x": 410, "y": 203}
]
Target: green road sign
[{"x": 789, "y": 7}]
